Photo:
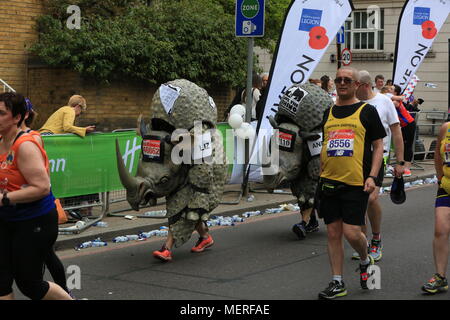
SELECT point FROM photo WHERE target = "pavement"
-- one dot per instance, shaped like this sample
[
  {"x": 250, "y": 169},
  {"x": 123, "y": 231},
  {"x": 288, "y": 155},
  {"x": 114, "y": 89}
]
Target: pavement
[{"x": 120, "y": 226}]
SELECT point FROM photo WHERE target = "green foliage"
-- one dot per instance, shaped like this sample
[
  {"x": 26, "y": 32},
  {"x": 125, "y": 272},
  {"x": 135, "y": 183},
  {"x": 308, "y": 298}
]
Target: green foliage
[{"x": 155, "y": 41}]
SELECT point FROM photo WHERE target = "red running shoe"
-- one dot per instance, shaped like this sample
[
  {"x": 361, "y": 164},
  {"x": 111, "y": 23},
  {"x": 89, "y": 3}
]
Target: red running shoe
[
  {"x": 164, "y": 254},
  {"x": 202, "y": 244}
]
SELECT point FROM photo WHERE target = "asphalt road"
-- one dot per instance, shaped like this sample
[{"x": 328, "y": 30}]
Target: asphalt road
[{"x": 262, "y": 259}]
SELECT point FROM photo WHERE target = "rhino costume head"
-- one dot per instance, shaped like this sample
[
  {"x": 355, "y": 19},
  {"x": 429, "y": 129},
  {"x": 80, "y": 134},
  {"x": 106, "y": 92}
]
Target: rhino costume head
[
  {"x": 298, "y": 119},
  {"x": 192, "y": 189}
]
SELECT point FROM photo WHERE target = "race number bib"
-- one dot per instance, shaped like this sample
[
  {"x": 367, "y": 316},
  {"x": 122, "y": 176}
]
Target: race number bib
[
  {"x": 202, "y": 146},
  {"x": 447, "y": 154},
  {"x": 286, "y": 140},
  {"x": 340, "y": 143},
  {"x": 315, "y": 147},
  {"x": 152, "y": 149}
]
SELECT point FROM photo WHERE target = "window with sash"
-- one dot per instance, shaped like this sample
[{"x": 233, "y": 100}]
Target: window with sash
[{"x": 365, "y": 31}]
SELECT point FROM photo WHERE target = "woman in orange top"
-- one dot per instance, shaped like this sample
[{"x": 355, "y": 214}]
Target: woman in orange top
[
  {"x": 28, "y": 217},
  {"x": 52, "y": 262}
]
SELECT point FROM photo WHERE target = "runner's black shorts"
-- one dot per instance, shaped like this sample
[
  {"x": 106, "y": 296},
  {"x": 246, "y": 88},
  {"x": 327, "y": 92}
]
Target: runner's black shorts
[
  {"x": 348, "y": 205},
  {"x": 442, "y": 198}
]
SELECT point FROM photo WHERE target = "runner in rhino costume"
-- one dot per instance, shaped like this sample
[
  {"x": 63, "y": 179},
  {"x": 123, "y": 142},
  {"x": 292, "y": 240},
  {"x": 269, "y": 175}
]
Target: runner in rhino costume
[
  {"x": 192, "y": 188},
  {"x": 299, "y": 120}
]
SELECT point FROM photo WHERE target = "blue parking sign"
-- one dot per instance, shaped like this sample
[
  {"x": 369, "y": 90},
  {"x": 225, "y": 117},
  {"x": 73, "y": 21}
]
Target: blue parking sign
[{"x": 250, "y": 18}]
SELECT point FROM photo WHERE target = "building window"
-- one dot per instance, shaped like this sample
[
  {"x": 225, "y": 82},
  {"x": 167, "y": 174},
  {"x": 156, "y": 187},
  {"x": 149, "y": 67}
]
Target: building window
[{"x": 366, "y": 31}]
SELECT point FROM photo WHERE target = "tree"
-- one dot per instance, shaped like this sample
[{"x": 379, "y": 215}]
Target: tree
[{"x": 155, "y": 41}]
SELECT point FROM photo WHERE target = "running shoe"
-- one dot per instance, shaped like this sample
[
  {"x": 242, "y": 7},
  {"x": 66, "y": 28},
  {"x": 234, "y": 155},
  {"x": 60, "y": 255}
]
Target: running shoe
[
  {"x": 375, "y": 250},
  {"x": 300, "y": 230},
  {"x": 164, "y": 254},
  {"x": 334, "y": 290},
  {"x": 407, "y": 173},
  {"x": 389, "y": 171},
  {"x": 202, "y": 244},
  {"x": 312, "y": 226},
  {"x": 435, "y": 284},
  {"x": 363, "y": 274}
]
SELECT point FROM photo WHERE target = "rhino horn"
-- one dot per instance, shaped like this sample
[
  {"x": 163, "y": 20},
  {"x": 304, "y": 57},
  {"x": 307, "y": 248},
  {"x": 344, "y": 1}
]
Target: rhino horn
[
  {"x": 273, "y": 123},
  {"x": 142, "y": 126},
  {"x": 130, "y": 183}
]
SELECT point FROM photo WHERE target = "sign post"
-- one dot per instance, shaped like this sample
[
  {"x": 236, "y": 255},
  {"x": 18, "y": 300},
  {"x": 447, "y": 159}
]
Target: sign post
[{"x": 249, "y": 23}]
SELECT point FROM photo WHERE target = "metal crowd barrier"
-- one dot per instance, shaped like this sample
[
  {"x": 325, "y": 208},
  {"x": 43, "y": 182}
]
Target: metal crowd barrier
[{"x": 84, "y": 206}]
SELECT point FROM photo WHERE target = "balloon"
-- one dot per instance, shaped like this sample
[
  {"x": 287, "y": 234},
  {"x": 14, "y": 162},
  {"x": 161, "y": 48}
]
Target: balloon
[
  {"x": 246, "y": 131},
  {"x": 235, "y": 120},
  {"x": 238, "y": 109}
]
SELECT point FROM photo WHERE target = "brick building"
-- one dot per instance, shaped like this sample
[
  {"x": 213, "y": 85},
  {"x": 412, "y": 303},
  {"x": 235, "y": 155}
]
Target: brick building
[{"x": 113, "y": 106}]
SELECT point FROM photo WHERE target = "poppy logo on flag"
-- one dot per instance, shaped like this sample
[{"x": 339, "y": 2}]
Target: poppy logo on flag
[
  {"x": 310, "y": 18},
  {"x": 421, "y": 15}
]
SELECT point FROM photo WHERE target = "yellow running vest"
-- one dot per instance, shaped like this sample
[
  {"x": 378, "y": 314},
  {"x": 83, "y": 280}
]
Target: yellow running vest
[
  {"x": 343, "y": 149},
  {"x": 445, "y": 154}
]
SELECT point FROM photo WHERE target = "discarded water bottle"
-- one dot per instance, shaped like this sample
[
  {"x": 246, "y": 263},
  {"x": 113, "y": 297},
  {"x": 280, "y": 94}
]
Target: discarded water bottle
[
  {"x": 417, "y": 183},
  {"x": 163, "y": 233},
  {"x": 159, "y": 213},
  {"x": 226, "y": 223},
  {"x": 101, "y": 224},
  {"x": 163, "y": 228},
  {"x": 274, "y": 210},
  {"x": 132, "y": 237},
  {"x": 120, "y": 239},
  {"x": 212, "y": 223},
  {"x": 428, "y": 181},
  {"x": 99, "y": 244},
  {"x": 251, "y": 213},
  {"x": 250, "y": 198},
  {"x": 236, "y": 218},
  {"x": 407, "y": 185},
  {"x": 278, "y": 191},
  {"x": 84, "y": 245}
]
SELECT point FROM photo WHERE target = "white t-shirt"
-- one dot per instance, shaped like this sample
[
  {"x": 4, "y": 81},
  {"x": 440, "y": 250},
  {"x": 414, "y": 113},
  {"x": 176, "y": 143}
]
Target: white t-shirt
[{"x": 388, "y": 116}]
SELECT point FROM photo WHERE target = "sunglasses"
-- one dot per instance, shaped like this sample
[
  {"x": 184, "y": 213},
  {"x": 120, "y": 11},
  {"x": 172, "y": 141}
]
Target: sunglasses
[{"x": 346, "y": 80}]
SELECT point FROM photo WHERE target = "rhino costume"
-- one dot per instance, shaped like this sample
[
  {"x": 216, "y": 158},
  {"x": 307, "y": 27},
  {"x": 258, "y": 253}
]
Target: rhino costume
[
  {"x": 192, "y": 189},
  {"x": 299, "y": 120}
]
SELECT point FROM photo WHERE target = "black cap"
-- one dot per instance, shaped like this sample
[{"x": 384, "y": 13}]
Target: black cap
[{"x": 398, "y": 195}]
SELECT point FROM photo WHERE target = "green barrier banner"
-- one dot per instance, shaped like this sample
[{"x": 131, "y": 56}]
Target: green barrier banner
[{"x": 80, "y": 166}]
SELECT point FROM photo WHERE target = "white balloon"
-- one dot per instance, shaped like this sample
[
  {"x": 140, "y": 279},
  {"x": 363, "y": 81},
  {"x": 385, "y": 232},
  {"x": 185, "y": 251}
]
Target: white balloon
[
  {"x": 235, "y": 121},
  {"x": 246, "y": 131},
  {"x": 238, "y": 109}
]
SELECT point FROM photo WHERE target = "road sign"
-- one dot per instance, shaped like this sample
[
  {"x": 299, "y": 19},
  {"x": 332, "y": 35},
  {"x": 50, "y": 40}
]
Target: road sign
[
  {"x": 346, "y": 57},
  {"x": 340, "y": 37},
  {"x": 250, "y": 18}
]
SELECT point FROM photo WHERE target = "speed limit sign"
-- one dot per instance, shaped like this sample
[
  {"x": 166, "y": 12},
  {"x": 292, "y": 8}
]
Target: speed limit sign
[{"x": 346, "y": 57}]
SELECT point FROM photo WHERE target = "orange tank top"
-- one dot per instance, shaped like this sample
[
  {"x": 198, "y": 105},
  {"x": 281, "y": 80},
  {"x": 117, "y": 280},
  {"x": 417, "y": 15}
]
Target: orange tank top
[{"x": 11, "y": 178}]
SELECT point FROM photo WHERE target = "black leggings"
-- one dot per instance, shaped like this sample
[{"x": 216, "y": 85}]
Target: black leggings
[
  {"x": 56, "y": 269},
  {"x": 24, "y": 246},
  {"x": 408, "y": 140}
]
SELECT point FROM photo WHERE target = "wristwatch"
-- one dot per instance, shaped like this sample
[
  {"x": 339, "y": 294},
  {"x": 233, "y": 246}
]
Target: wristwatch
[
  {"x": 402, "y": 163},
  {"x": 375, "y": 179},
  {"x": 5, "y": 200}
]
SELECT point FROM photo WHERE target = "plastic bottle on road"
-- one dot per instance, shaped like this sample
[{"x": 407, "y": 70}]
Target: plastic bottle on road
[
  {"x": 99, "y": 244},
  {"x": 131, "y": 237},
  {"x": 84, "y": 245},
  {"x": 159, "y": 213},
  {"x": 120, "y": 239},
  {"x": 101, "y": 224}
]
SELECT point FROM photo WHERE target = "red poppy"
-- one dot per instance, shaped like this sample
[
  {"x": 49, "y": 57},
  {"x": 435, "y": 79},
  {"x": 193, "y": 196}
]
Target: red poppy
[
  {"x": 318, "y": 38},
  {"x": 428, "y": 29}
]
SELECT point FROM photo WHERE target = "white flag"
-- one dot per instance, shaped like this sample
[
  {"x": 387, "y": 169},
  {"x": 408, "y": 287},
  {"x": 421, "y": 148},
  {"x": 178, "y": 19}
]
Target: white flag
[{"x": 418, "y": 26}]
